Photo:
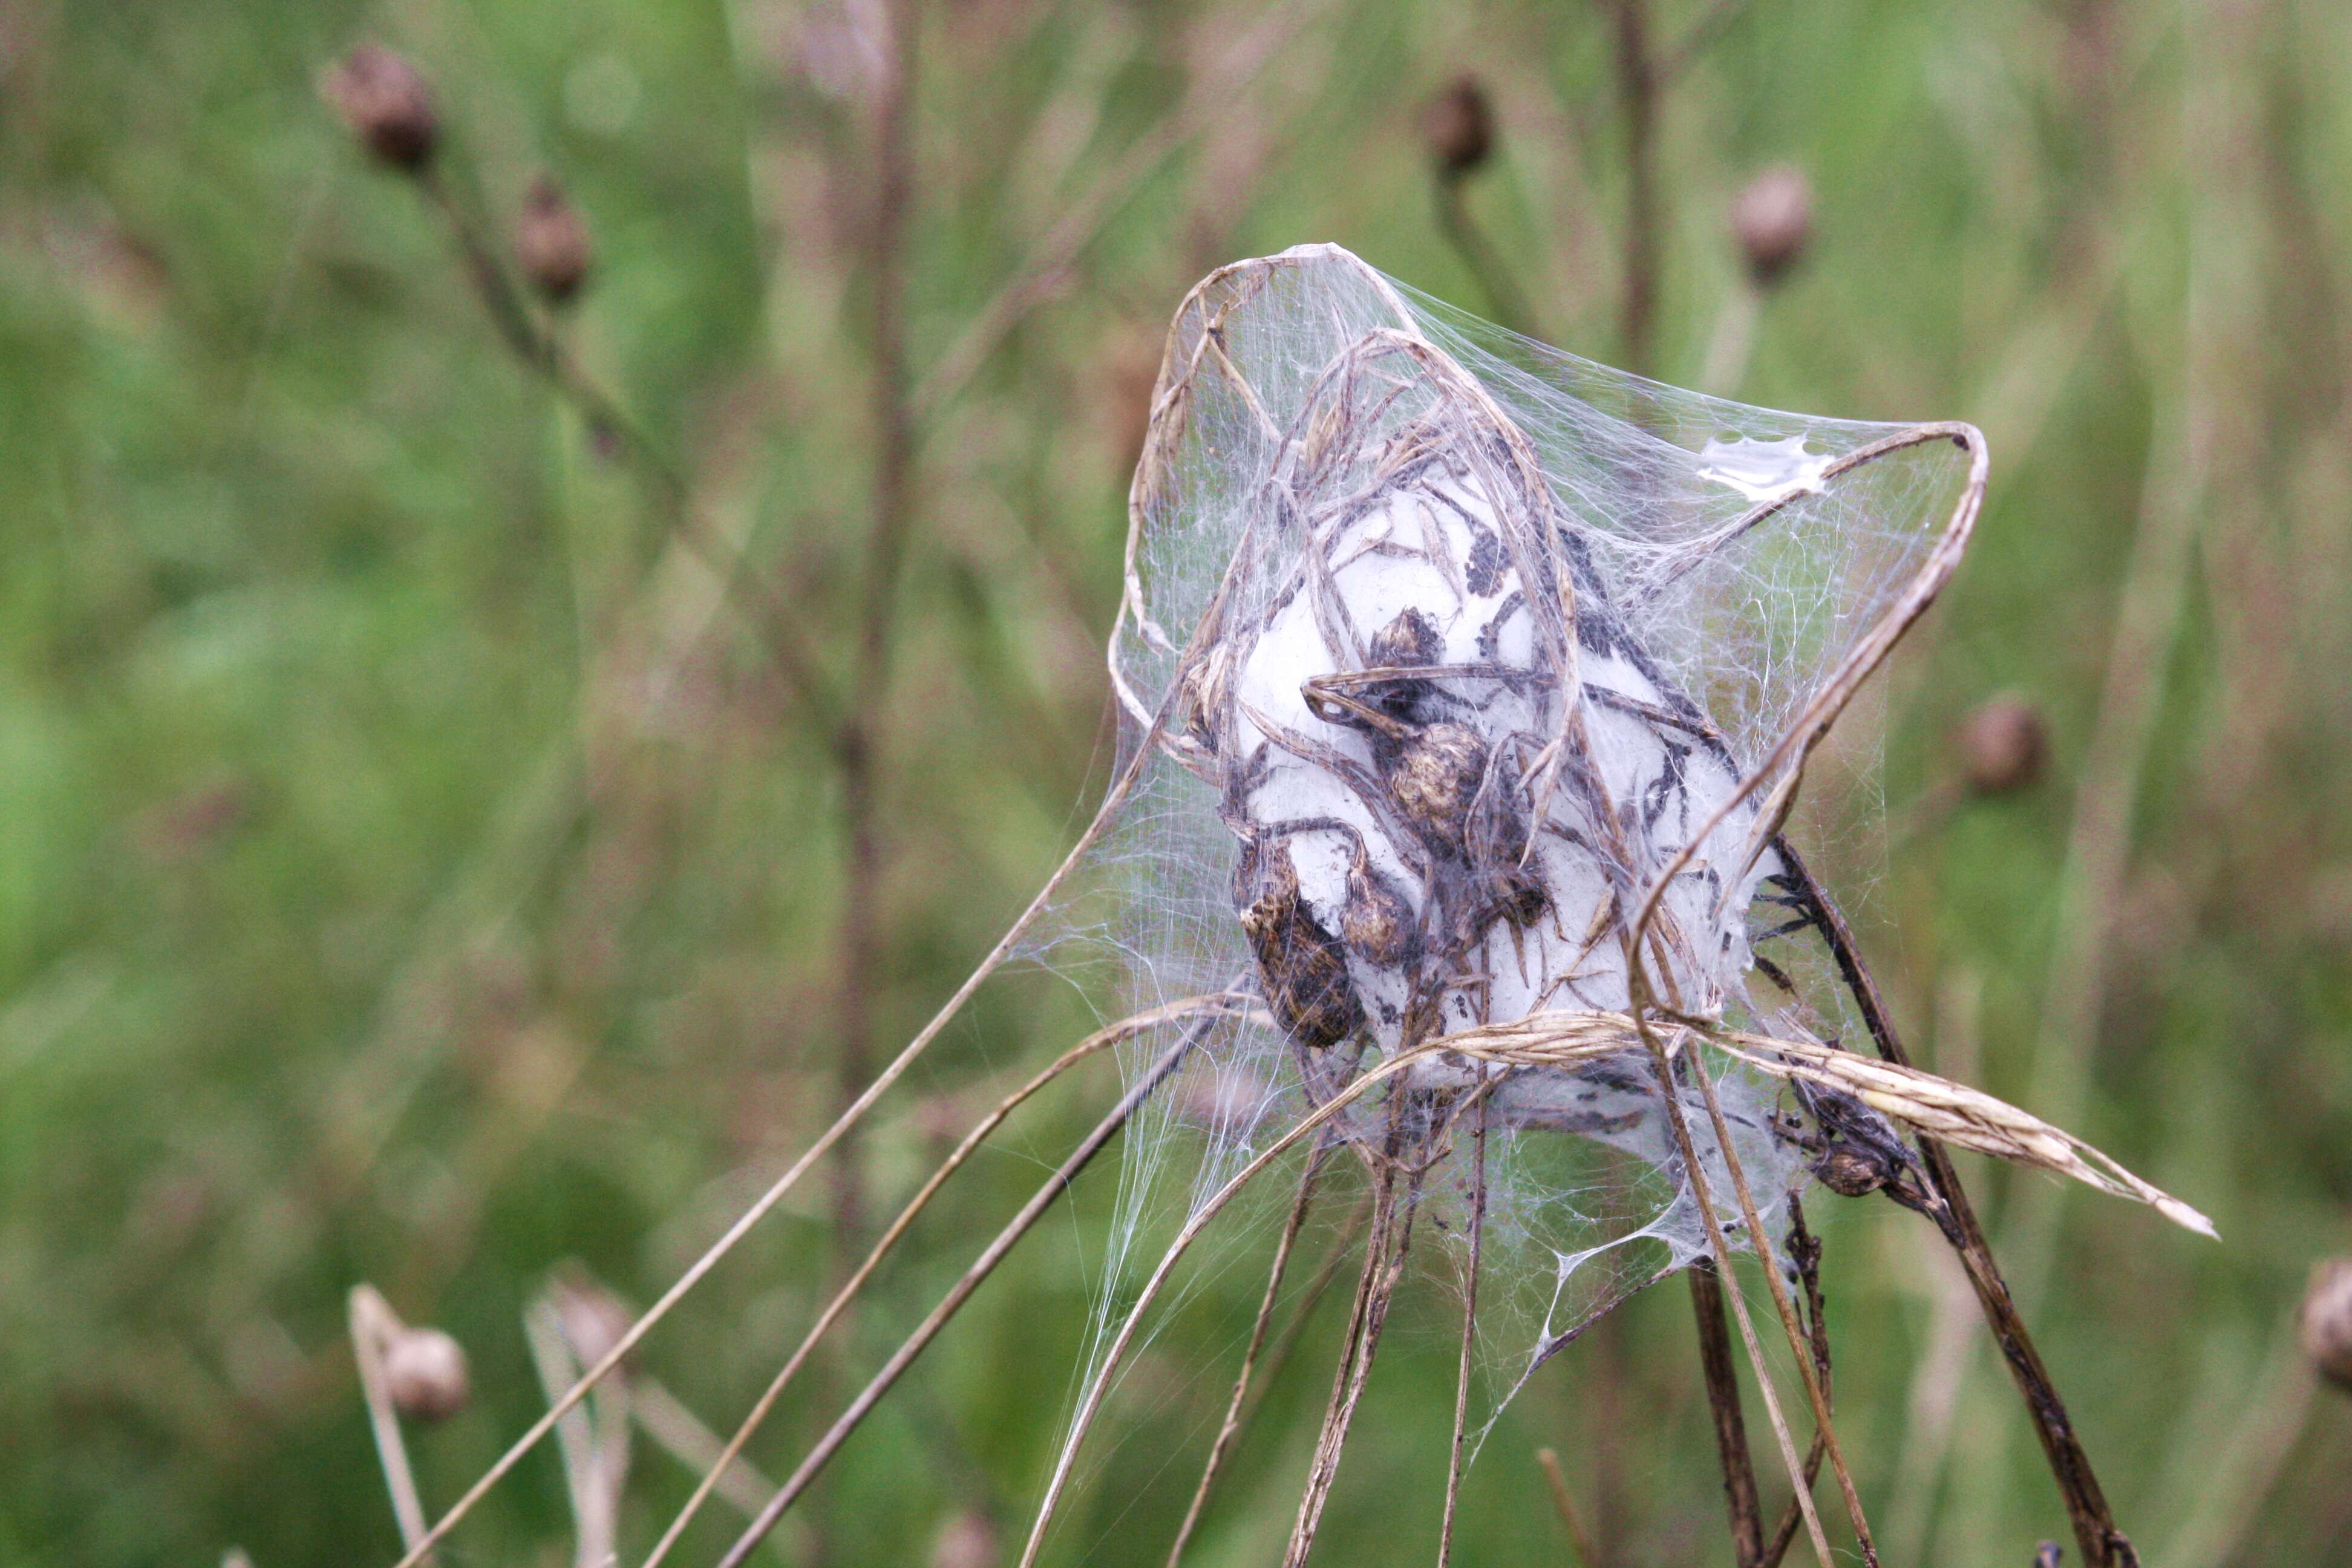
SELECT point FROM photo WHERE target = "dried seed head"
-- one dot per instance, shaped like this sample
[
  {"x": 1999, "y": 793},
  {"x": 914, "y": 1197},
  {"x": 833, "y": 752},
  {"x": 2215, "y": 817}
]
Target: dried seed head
[
  {"x": 1378, "y": 922},
  {"x": 2328, "y": 1322},
  {"x": 551, "y": 243},
  {"x": 387, "y": 106},
  {"x": 1772, "y": 220},
  {"x": 594, "y": 1318},
  {"x": 1432, "y": 774},
  {"x": 1849, "y": 1173},
  {"x": 2003, "y": 745},
  {"x": 1203, "y": 692},
  {"x": 425, "y": 1371},
  {"x": 1301, "y": 966},
  {"x": 1409, "y": 642},
  {"x": 1458, "y": 128}
]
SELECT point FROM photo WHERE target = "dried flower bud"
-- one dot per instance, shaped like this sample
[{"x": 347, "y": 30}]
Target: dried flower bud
[
  {"x": 1378, "y": 922},
  {"x": 1204, "y": 689},
  {"x": 551, "y": 243},
  {"x": 1301, "y": 967},
  {"x": 2049, "y": 1555},
  {"x": 1849, "y": 1173},
  {"x": 1458, "y": 128},
  {"x": 1409, "y": 642},
  {"x": 1773, "y": 218},
  {"x": 594, "y": 1318},
  {"x": 969, "y": 1541},
  {"x": 2003, "y": 745},
  {"x": 1433, "y": 773},
  {"x": 424, "y": 1371},
  {"x": 2328, "y": 1322},
  {"x": 387, "y": 106}
]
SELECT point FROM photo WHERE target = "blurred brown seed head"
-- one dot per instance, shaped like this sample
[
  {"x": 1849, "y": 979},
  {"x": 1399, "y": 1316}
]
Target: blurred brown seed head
[
  {"x": 1772, "y": 220},
  {"x": 424, "y": 1371},
  {"x": 387, "y": 106},
  {"x": 968, "y": 1542},
  {"x": 2328, "y": 1322},
  {"x": 1458, "y": 127},
  {"x": 2003, "y": 745},
  {"x": 551, "y": 243}
]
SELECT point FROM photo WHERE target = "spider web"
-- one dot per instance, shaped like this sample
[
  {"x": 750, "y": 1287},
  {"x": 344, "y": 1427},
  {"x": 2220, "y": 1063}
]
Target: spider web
[{"x": 1463, "y": 678}]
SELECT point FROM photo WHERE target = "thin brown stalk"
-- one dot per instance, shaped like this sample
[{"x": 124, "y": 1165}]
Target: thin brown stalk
[
  {"x": 863, "y": 874},
  {"x": 1125, "y": 1029},
  {"x": 1469, "y": 1331},
  {"x": 2103, "y": 1545},
  {"x": 1311, "y": 1298},
  {"x": 1097, "y": 1388},
  {"x": 1231, "y": 1428},
  {"x": 1807, "y": 1253},
  {"x": 372, "y": 1323},
  {"x": 1680, "y": 1126},
  {"x": 1799, "y": 1342},
  {"x": 860, "y": 735},
  {"x": 1563, "y": 1503},
  {"x": 1730, "y": 1428},
  {"x": 543, "y": 354},
  {"x": 1271, "y": 1364},
  {"x": 1059, "y": 249},
  {"x": 784, "y": 1183},
  {"x": 1584, "y": 116},
  {"x": 1383, "y": 1269},
  {"x": 1504, "y": 295},
  {"x": 953, "y": 1303},
  {"x": 1637, "y": 91}
]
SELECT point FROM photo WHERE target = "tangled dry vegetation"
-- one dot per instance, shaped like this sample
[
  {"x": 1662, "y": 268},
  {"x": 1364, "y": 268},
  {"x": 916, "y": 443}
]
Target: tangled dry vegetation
[
  {"x": 1468, "y": 690},
  {"x": 1396, "y": 592}
]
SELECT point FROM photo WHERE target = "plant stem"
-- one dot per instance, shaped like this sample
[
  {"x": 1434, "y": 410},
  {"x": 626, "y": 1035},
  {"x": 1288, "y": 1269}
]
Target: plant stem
[
  {"x": 1816, "y": 1391},
  {"x": 1125, "y": 1029},
  {"x": 2103, "y": 1545},
  {"x": 1384, "y": 1257},
  {"x": 374, "y": 1323},
  {"x": 1469, "y": 1330},
  {"x": 1637, "y": 91},
  {"x": 543, "y": 354},
  {"x": 1564, "y": 1503},
  {"x": 1231, "y": 1429},
  {"x": 1723, "y": 1401},
  {"x": 886, "y": 549},
  {"x": 863, "y": 870},
  {"x": 1508, "y": 301},
  {"x": 1679, "y": 1125},
  {"x": 1043, "y": 1199}
]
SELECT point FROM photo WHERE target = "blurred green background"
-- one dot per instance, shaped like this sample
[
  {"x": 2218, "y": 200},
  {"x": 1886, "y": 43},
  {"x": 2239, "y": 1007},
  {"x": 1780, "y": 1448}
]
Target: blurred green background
[{"x": 414, "y": 867}]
